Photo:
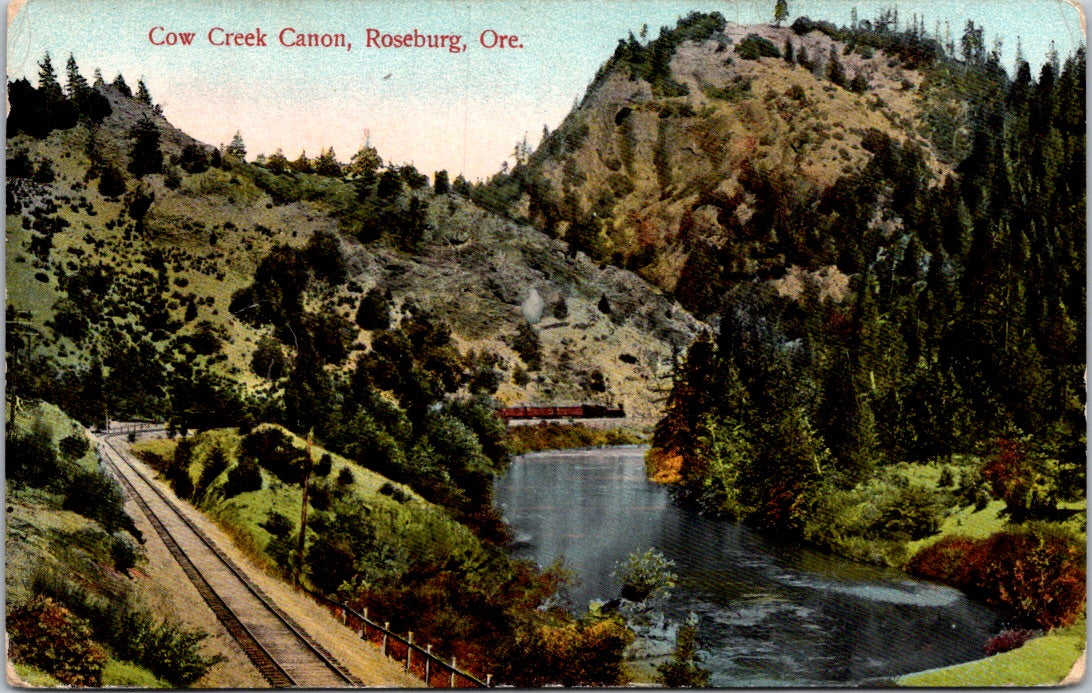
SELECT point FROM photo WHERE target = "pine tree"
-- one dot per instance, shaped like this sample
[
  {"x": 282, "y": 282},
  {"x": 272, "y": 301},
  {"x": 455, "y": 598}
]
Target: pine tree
[
  {"x": 145, "y": 156},
  {"x": 781, "y": 11},
  {"x": 277, "y": 162},
  {"x": 789, "y": 54},
  {"x": 47, "y": 81},
  {"x": 76, "y": 86},
  {"x": 802, "y": 58},
  {"x": 835, "y": 72},
  {"x": 143, "y": 95},
  {"x": 326, "y": 164},
  {"x": 237, "y": 149},
  {"x": 120, "y": 85},
  {"x": 374, "y": 312},
  {"x": 683, "y": 670},
  {"x": 461, "y": 186},
  {"x": 302, "y": 164},
  {"x": 365, "y": 162},
  {"x": 561, "y": 308},
  {"x": 441, "y": 185}
]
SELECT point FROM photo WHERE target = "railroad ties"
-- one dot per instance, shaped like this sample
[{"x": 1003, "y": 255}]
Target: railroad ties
[{"x": 284, "y": 654}]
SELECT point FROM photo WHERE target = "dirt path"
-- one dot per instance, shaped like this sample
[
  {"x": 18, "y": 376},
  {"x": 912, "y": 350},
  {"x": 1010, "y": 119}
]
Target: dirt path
[{"x": 1076, "y": 674}]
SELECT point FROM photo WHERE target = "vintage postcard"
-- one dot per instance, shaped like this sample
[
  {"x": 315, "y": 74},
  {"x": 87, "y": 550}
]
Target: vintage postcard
[{"x": 474, "y": 343}]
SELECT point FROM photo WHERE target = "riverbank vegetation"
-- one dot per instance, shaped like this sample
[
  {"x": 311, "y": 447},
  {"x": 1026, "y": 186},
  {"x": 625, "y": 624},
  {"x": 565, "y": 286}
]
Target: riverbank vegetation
[
  {"x": 379, "y": 544},
  {"x": 74, "y": 615},
  {"x": 949, "y": 378},
  {"x": 566, "y": 436},
  {"x": 1042, "y": 661}
]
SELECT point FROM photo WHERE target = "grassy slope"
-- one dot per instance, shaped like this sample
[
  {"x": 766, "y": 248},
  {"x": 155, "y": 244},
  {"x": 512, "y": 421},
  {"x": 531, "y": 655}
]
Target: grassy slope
[
  {"x": 416, "y": 524},
  {"x": 41, "y": 537},
  {"x": 1042, "y": 661}
]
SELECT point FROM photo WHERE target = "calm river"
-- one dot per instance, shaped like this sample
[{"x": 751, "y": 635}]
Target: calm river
[{"x": 769, "y": 615}]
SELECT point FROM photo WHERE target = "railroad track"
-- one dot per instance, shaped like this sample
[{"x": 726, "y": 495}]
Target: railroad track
[{"x": 284, "y": 654}]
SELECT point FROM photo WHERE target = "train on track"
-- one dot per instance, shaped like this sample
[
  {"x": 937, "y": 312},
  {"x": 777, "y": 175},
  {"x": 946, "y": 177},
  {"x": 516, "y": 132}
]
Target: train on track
[{"x": 579, "y": 411}]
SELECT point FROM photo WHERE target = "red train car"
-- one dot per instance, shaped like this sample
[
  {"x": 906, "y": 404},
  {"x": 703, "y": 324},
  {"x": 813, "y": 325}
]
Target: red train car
[{"x": 579, "y": 411}]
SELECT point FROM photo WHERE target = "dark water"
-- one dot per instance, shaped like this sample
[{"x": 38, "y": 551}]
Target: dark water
[{"x": 769, "y": 615}]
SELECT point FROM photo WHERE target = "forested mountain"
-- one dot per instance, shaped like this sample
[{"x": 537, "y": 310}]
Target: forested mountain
[
  {"x": 962, "y": 323},
  {"x": 886, "y": 232}
]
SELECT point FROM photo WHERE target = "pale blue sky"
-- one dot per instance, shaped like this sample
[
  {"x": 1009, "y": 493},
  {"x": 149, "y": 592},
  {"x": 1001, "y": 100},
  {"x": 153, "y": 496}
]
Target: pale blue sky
[{"x": 463, "y": 112}]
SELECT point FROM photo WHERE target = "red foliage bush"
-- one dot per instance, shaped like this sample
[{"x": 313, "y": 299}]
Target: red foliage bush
[
  {"x": 48, "y": 636},
  {"x": 1037, "y": 572},
  {"x": 1008, "y": 640},
  {"x": 947, "y": 561}
]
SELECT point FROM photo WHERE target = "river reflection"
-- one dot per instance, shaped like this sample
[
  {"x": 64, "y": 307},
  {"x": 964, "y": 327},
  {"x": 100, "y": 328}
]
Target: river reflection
[{"x": 770, "y": 615}]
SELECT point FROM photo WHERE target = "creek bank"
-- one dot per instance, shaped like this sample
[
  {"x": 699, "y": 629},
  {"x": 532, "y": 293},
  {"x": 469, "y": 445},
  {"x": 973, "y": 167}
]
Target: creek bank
[{"x": 768, "y": 614}]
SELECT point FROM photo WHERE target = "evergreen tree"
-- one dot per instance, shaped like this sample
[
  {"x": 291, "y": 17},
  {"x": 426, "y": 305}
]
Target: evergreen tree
[
  {"x": 76, "y": 86},
  {"x": 684, "y": 670},
  {"x": 143, "y": 95},
  {"x": 561, "y": 308},
  {"x": 237, "y": 149},
  {"x": 302, "y": 164},
  {"x": 789, "y": 54},
  {"x": 277, "y": 162},
  {"x": 365, "y": 162},
  {"x": 326, "y": 164},
  {"x": 781, "y": 11},
  {"x": 441, "y": 185},
  {"x": 461, "y": 186},
  {"x": 145, "y": 156},
  {"x": 835, "y": 72},
  {"x": 374, "y": 312},
  {"x": 48, "y": 85},
  {"x": 390, "y": 185},
  {"x": 802, "y": 58},
  {"x": 194, "y": 158},
  {"x": 120, "y": 85}
]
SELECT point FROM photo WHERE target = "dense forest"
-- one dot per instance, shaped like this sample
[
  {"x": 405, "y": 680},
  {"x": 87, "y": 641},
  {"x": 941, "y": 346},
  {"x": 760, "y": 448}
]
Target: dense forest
[{"x": 963, "y": 335}]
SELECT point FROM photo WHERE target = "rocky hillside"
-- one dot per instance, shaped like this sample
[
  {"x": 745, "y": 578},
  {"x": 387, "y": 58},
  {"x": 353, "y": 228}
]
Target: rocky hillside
[
  {"x": 700, "y": 158},
  {"x": 145, "y": 271}
]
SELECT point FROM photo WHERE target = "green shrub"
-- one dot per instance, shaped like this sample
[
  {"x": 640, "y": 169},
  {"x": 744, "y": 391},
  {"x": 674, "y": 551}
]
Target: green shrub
[
  {"x": 526, "y": 344},
  {"x": 645, "y": 576},
  {"x": 96, "y": 496},
  {"x": 754, "y": 47},
  {"x": 73, "y": 447},
  {"x": 274, "y": 450},
  {"x": 683, "y": 670},
  {"x": 167, "y": 649},
  {"x": 244, "y": 476},
  {"x": 570, "y": 654},
  {"x": 215, "y": 465},
  {"x": 31, "y": 459}
]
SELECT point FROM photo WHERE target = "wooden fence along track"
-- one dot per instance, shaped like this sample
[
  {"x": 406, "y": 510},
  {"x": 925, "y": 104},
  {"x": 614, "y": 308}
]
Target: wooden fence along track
[{"x": 278, "y": 647}]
